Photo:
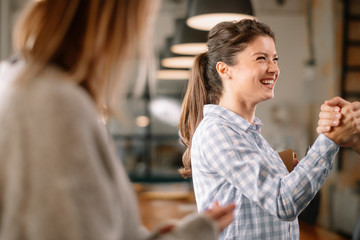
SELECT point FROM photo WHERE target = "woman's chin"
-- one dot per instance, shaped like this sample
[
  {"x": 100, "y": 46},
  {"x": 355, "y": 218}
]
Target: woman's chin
[{"x": 266, "y": 98}]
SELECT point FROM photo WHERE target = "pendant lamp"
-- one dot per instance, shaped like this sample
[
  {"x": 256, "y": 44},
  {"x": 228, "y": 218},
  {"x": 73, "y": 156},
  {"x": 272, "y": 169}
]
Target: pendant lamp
[
  {"x": 173, "y": 74},
  {"x": 205, "y": 14},
  {"x": 188, "y": 41},
  {"x": 178, "y": 62},
  {"x": 169, "y": 59}
]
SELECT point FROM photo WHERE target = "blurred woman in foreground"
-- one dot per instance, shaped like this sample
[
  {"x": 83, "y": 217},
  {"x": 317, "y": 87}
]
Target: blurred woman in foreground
[{"x": 60, "y": 176}]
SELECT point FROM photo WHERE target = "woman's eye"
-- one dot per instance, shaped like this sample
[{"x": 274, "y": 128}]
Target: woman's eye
[
  {"x": 276, "y": 59},
  {"x": 260, "y": 58}
]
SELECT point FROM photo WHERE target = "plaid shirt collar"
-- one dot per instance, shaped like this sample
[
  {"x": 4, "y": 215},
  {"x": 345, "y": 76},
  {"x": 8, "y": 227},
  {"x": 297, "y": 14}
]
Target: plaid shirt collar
[{"x": 232, "y": 117}]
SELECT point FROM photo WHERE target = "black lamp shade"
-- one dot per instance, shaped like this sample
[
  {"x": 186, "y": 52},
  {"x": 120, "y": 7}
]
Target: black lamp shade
[
  {"x": 215, "y": 11},
  {"x": 169, "y": 59},
  {"x": 188, "y": 41}
]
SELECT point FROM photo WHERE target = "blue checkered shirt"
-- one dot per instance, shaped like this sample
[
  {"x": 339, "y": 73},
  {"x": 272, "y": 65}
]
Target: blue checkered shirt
[{"x": 232, "y": 162}]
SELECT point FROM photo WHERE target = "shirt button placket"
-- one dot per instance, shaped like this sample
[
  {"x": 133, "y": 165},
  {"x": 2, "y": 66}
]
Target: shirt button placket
[{"x": 290, "y": 230}]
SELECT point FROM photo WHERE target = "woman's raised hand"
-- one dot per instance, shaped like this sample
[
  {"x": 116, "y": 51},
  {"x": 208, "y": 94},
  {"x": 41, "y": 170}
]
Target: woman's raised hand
[{"x": 340, "y": 121}]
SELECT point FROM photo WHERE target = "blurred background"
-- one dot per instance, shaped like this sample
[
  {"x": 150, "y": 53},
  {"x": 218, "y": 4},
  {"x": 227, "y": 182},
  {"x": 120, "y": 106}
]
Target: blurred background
[{"x": 318, "y": 42}]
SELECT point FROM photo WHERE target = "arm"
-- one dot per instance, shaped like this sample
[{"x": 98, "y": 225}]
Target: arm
[
  {"x": 197, "y": 226},
  {"x": 258, "y": 173}
]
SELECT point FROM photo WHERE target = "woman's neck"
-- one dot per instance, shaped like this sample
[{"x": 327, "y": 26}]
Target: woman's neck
[{"x": 243, "y": 109}]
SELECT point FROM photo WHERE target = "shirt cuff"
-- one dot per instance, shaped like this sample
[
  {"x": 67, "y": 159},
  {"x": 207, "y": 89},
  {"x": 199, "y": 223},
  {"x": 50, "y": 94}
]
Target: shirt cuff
[{"x": 324, "y": 147}]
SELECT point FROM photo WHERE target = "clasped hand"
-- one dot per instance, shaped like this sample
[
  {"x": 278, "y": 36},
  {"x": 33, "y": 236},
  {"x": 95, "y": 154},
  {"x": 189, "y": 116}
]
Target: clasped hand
[{"x": 340, "y": 121}]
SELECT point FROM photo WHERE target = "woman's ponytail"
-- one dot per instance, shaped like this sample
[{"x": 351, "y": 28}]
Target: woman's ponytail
[{"x": 192, "y": 108}]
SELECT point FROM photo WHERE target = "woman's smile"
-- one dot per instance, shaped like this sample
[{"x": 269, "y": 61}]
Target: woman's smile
[{"x": 268, "y": 82}]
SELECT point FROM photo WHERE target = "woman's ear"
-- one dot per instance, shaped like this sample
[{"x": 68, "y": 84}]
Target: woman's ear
[{"x": 223, "y": 70}]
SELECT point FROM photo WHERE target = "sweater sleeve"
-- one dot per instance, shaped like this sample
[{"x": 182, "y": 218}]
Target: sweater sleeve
[{"x": 193, "y": 227}]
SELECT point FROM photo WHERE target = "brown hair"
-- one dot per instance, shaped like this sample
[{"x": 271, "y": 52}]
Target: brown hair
[
  {"x": 225, "y": 41},
  {"x": 91, "y": 40}
]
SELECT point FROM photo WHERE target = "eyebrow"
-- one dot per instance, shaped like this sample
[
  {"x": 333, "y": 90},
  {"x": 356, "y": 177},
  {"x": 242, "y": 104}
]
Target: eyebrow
[{"x": 262, "y": 53}]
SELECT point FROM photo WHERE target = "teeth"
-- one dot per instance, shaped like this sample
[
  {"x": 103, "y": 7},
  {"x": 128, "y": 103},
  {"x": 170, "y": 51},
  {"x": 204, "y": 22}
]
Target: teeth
[{"x": 267, "y": 81}]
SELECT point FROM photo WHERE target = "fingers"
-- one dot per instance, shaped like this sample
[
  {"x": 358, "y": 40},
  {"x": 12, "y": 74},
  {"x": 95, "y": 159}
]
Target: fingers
[
  {"x": 225, "y": 220},
  {"x": 328, "y": 117},
  {"x": 223, "y": 215},
  {"x": 166, "y": 229},
  {"x": 295, "y": 159},
  {"x": 345, "y": 132},
  {"x": 340, "y": 120},
  {"x": 355, "y": 106},
  {"x": 323, "y": 129},
  {"x": 352, "y": 118},
  {"x": 337, "y": 101},
  {"x": 218, "y": 211},
  {"x": 330, "y": 112},
  {"x": 295, "y": 162},
  {"x": 328, "y": 122},
  {"x": 328, "y": 108}
]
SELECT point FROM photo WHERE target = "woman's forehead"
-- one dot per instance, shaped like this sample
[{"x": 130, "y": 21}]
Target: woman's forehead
[{"x": 261, "y": 44}]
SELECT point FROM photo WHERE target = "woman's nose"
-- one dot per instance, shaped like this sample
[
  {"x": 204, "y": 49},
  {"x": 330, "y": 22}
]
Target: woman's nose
[{"x": 273, "y": 67}]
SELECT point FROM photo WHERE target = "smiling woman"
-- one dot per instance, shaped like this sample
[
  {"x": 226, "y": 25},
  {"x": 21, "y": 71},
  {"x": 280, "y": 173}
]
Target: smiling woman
[
  {"x": 212, "y": 73},
  {"x": 252, "y": 79},
  {"x": 227, "y": 157}
]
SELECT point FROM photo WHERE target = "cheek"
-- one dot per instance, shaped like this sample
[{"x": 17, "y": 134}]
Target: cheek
[{"x": 246, "y": 74}]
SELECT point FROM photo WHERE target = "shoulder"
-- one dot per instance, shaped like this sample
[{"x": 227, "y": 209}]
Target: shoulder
[
  {"x": 48, "y": 100},
  {"x": 56, "y": 97},
  {"x": 220, "y": 119},
  {"x": 215, "y": 127}
]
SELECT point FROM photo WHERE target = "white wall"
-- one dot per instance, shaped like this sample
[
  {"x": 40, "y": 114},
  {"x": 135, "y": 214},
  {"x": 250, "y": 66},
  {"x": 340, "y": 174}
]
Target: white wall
[
  {"x": 300, "y": 89},
  {"x": 5, "y": 13},
  {"x": 9, "y": 10}
]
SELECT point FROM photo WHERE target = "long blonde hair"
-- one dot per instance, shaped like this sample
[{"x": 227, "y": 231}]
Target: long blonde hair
[{"x": 91, "y": 40}]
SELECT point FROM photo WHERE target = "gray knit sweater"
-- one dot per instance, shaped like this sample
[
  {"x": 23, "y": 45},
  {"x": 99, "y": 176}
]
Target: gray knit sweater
[{"x": 60, "y": 177}]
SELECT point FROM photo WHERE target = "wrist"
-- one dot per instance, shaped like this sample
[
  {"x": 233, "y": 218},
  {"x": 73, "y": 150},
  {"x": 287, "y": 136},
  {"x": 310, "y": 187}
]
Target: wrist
[{"x": 336, "y": 139}]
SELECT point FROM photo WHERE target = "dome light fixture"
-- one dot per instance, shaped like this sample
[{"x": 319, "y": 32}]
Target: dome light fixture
[
  {"x": 205, "y": 14},
  {"x": 170, "y": 60},
  {"x": 178, "y": 62},
  {"x": 188, "y": 41},
  {"x": 172, "y": 74}
]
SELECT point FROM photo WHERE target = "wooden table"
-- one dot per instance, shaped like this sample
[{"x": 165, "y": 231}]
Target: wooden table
[
  {"x": 157, "y": 210},
  {"x": 159, "y": 207}
]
